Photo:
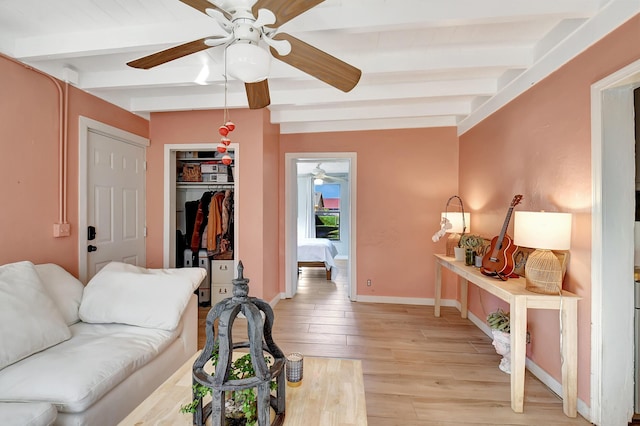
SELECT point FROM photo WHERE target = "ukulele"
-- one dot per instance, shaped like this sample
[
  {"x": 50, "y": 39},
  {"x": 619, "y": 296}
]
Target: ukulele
[{"x": 498, "y": 260}]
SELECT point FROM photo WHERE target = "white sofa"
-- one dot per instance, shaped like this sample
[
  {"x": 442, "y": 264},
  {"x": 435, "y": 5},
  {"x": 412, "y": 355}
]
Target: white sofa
[{"x": 76, "y": 355}]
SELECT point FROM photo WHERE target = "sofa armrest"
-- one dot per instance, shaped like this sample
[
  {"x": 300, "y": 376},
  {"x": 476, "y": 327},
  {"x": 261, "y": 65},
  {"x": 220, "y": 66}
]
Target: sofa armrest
[{"x": 189, "y": 335}]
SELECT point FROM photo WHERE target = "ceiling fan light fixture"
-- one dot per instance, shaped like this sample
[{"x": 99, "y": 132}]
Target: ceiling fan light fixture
[{"x": 248, "y": 62}]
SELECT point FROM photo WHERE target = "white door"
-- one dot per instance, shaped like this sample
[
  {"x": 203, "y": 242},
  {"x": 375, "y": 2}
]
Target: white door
[{"x": 115, "y": 202}]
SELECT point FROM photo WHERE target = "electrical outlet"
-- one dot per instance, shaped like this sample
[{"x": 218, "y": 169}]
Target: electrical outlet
[
  {"x": 61, "y": 229},
  {"x": 368, "y": 283}
]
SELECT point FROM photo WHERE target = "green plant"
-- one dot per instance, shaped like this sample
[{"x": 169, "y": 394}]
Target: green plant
[
  {"x": 243, "y": 401},
  {"x": 473, "y": 242},
  {"x": 499, "y": 320}
]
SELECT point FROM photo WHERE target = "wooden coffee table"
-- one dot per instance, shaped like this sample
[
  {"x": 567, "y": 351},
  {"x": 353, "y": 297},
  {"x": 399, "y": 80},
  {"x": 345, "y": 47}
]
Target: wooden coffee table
[{"x": 332, "y": 393}]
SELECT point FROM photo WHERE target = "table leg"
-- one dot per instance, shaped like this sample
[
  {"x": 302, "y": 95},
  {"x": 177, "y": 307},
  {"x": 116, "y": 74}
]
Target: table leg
[
  {"x": 464, "y": 289},
  {"x": 518, "y": 351},
  {"x": 438, "y": 283},
  {"x": 569, "y": 348}
]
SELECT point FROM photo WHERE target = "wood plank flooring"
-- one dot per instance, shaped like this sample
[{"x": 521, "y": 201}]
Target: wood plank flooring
[{"x": 418, "y": 369}]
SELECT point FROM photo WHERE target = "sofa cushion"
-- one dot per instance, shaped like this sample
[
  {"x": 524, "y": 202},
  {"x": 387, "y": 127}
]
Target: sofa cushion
[
  {"x": 78, "y": 372},
  {"x": 29, "y": 319},
  {"x": 65, "y": 290},
  {"x": 27, "y": 414},
  {"x": 128, "y": 294}
]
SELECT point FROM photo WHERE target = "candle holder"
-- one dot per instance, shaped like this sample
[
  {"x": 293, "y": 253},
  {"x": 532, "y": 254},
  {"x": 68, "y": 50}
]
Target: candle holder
[{"x": 294, "y": 368}]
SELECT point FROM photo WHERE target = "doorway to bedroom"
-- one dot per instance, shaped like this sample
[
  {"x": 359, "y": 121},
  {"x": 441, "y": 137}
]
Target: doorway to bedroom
[{"x": 320, "y": 217}]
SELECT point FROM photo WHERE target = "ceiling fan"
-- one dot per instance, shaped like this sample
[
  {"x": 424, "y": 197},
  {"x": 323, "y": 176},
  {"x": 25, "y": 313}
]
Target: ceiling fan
[
  {"x": 319, "y": 173},
  {"x": 248, "y": 24}
]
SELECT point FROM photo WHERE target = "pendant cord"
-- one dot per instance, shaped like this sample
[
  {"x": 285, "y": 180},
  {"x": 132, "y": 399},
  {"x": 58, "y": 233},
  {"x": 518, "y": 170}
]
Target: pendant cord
[{"x": 226, "y": 111}]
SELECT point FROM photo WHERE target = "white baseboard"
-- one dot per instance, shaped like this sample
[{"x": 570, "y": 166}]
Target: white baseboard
[
  {"x": 278, "y": 297},
  {"x": 543, "y": 376},
  {"x": 405, "y": 300}
]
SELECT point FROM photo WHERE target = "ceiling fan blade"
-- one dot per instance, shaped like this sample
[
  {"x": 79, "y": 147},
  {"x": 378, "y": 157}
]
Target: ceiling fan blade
[
  {"x": 203, "y": 5},
  {"x": 285, "y": 10},
  {"x": 167, "y": 55},
  {"x": 318, "y": 64},
  {"x": 258, "y": 94}
]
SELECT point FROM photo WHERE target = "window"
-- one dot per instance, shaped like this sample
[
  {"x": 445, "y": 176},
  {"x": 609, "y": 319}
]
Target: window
[{"x": 327, "y": 211}]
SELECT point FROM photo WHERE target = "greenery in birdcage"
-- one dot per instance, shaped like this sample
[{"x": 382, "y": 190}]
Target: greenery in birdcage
[{"x": 241, "y": 407}]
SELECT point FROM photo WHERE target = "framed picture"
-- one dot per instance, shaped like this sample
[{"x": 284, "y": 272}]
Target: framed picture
[{"x": 522, "y": 254}]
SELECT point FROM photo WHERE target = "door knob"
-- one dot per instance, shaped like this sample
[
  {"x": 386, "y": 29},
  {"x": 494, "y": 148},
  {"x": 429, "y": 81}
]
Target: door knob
[{"x": 91, "y": 248}]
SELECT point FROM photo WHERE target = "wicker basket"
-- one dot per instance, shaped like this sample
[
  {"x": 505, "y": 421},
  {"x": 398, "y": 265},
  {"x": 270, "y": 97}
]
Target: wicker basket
[{"x": 191, "y": 173}]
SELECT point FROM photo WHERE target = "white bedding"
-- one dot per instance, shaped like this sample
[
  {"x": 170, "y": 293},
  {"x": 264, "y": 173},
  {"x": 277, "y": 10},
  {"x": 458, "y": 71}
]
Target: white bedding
[{"x": 317, "y": 250}]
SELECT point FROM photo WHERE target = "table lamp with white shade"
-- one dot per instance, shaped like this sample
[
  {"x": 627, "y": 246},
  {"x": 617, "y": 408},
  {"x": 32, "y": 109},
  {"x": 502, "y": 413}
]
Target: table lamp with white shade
[
  {"x": 460, "y": 224},
  {"x": 453, "y": 223},
  {"x": 543, "y": 231}
]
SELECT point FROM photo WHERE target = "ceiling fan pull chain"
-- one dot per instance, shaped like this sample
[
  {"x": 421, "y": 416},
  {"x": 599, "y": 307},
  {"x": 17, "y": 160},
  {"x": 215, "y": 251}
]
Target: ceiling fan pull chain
[
  {"x": 225, "y": 117},
  {"x": 228, "y": 125}
]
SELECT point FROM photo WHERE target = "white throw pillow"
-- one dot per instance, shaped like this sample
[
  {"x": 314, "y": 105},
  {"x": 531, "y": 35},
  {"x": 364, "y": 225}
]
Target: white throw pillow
[
  {"x": 65, "y": 290},
  {"x": 128, "y": 294},
  {"x": 29, "y": 319}
]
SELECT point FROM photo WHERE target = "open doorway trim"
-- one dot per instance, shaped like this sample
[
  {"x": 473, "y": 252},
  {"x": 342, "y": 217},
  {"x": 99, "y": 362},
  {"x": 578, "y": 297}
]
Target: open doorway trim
[
  {"x": 612, "y": 248},
  {"x": 291, "y": 203}
]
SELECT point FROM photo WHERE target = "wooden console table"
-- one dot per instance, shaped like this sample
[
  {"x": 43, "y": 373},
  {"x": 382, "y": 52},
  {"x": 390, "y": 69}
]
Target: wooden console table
[
  {"x": 331, "y": 394},
  {"x": 513, "y": 292}
]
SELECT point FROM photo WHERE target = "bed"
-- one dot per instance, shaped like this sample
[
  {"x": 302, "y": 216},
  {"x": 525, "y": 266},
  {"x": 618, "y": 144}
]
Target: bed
[{"x": 317, "y": 252}]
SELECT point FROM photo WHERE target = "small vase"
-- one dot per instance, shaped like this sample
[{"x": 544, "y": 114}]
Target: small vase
[
  {"x": 478, "y": 261},
  {"x": 458, "y": 252},
  {"x": 469, "y": 257}
]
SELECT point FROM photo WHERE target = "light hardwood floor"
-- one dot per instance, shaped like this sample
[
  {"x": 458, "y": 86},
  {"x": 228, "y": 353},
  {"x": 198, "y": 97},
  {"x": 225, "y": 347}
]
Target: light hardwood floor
[{"x": 418, "y": 369}]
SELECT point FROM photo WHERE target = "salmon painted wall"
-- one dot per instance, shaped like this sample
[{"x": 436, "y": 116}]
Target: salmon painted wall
[
  {"x": 270, "y": 200},
  {"x": 539, "y": 145},
  {"x": 256, "y": 218},
  {"x": 404, "y": 178},
  {"x": 29, "y": 126}
]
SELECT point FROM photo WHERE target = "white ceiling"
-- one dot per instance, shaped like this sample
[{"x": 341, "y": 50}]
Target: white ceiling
[
  {"x": 424, "y": 62},
  {"x": 329, "y": 165}
]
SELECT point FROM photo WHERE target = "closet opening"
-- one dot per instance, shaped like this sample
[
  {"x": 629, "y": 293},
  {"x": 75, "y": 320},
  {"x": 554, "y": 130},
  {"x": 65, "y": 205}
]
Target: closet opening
[{"x": 181, "y": 195}]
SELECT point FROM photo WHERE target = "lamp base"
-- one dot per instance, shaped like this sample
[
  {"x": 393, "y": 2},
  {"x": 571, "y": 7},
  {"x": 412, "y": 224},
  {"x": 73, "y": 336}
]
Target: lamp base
[
  {"x": 452, "y": 242},
  {"x": 543, "y": 272}
]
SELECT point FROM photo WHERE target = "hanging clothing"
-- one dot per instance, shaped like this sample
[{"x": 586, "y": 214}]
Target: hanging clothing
[
  {"x": 191, "y": 210},
  {"x": 211, "y": 224},
  {"x": 227, "y": 219},
  {"x": 214, "y": 226},
  {"x": 200, "y": 222}
]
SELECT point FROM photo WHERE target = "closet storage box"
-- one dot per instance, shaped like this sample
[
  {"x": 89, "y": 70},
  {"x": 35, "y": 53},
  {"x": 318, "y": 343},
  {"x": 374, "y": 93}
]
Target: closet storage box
[
  {"x": 215, "y": 177},
  {"x": 185, "y": 154},
  {"x": 191, "y": 172},
  {"x": 221, "y": 280},
  {"x": 209, "y": 168},
  {"x": 204, "y": 290}
]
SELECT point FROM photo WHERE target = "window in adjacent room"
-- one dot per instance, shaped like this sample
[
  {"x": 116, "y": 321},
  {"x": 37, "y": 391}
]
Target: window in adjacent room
[{"x": 327, "y": 211}]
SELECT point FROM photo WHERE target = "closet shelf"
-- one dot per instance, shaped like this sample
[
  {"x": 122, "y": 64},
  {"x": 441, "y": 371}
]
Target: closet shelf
[{"x": 203, "y": 185}]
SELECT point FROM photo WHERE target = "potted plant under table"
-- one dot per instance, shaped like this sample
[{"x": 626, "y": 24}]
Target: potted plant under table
[{"x": 500, "y": 323}]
